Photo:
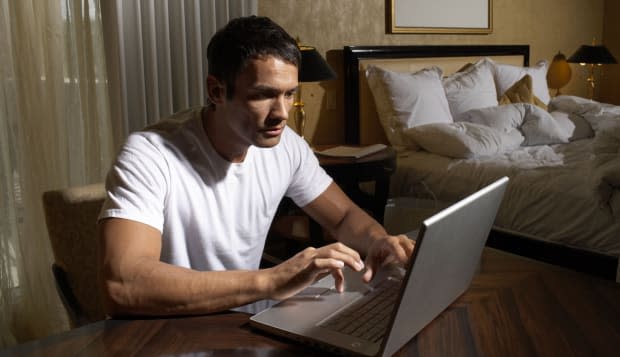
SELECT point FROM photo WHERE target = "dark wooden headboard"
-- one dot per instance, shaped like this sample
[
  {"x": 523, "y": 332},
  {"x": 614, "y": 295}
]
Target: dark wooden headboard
[{"x": 354, "y": 56}]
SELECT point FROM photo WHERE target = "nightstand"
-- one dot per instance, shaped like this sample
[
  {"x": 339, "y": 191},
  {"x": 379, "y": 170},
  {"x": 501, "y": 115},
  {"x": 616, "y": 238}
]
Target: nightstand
[{"x": 349, "y": 173}]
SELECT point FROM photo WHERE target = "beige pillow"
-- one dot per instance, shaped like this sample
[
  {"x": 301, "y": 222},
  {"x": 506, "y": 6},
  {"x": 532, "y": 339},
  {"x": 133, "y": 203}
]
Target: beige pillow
[
  {"x": 521, "y": 92},
  {"x": 506, "y": 75},
  {"x": 465, "y": 67}
]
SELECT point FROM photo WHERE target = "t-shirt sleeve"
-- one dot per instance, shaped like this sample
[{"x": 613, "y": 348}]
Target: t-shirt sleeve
[
  {"x": 309, "y": 179},
  {"x": 137, "y": 184}
]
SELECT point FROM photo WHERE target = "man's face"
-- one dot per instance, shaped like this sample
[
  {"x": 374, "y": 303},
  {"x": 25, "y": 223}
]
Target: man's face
[{"x": 264, "y": 93}]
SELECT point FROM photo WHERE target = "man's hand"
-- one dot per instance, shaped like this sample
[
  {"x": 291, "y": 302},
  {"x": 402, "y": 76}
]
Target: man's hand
[
  {"x": 353, "y": 226},
  {"x": 296, "y": 273},
  {"x": 386, "y": 250}
]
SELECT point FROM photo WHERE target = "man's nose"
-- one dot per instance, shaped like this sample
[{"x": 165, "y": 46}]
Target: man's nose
[{"x": 280, "y": 108}]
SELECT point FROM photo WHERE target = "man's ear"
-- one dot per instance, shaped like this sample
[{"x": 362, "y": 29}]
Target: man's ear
[{"x": 216, "y": 90}]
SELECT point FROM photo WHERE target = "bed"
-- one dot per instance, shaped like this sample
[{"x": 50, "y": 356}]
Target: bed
[{"x": 562, "y": 154}]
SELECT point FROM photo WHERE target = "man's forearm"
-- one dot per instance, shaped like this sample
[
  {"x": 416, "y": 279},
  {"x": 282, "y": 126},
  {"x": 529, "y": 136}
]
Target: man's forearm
[
  {"x": 344, "y": 219},
  {"x": 156, "y": 288},
  {"x": 357, "y": 228}
]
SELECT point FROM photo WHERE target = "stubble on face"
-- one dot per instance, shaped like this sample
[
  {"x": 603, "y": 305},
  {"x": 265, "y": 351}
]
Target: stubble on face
[
  {"x": 267, "y": 89},
  {"x": 258, "y": 111}
]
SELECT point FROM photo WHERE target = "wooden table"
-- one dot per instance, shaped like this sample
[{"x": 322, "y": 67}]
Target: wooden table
[{"x": 514, "y": 307}]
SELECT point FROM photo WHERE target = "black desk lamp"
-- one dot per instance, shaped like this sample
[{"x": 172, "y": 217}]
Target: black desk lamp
[
  {"x": 313, "y": 68},
  {"x": 591, "y": 56}
]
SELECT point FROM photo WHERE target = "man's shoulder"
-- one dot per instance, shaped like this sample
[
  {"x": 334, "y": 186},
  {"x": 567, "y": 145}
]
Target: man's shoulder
[
  {"x": 166, "y": 129},
  {"x": 175, "y": 122}
]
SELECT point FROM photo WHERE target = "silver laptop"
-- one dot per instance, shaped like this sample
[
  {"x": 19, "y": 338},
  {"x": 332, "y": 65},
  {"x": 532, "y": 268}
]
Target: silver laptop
[{"x": 380, "y": 317}]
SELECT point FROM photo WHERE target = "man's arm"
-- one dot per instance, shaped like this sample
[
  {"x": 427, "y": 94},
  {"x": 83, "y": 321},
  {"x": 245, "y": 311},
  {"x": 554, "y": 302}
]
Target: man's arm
[
  {"x": 136, "y": 282},
  {"x": 353, "y": 227}
]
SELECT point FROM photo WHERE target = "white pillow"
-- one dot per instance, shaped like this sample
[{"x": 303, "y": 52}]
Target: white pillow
[
  {"x": 471, "y": 89},
  {"x": 539, "y": 127},
  {"x": 463, "y": 140},
  {"x": 504, "y": 118},
  {"x": 575, "y": 126},
  {"x": 506, "y": 75},
  {"x": 405, "y": 100}
]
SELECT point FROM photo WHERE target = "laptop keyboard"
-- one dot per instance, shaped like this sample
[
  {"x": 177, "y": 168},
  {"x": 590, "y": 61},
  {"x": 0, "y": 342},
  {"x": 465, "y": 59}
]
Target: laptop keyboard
[{"x": 367, "y": 318}]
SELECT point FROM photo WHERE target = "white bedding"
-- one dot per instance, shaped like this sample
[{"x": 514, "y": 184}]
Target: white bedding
[{"x": 567, "y": 193}]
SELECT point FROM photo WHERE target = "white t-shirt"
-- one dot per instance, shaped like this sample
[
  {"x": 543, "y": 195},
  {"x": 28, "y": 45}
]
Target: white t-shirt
[{"x": 213, "y": 214}]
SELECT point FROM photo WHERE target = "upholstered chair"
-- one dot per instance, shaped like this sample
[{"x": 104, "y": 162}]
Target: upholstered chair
[{"x": 71, "y": 217}]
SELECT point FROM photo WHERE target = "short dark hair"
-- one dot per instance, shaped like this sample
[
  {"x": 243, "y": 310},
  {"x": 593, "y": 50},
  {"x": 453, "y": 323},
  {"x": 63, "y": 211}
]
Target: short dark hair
[{"x": 247, "y": 38}]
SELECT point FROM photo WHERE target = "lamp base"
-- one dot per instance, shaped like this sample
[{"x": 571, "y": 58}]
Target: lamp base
[
  {"x": 300, "y": 118},
  {"x": 591, "y": 81},
  {"x": 300, "y": 113}
]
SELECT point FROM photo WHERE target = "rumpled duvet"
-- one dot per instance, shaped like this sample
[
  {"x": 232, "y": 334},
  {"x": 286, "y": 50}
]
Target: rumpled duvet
[
  {"x": 605, "y": 120},
  {"x": 522, "y": 134},
  {"x": 563, "y": 193}
]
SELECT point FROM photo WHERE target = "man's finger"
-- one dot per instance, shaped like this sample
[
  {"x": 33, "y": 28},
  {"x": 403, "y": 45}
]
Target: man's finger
[
  {"x": 373, "y": 262},
  {"x": 343, "y": 253},
  {"x": 328, "y": 264},
  {"x": 368, "y": 274},
  {"x": 338, "y": 279}
]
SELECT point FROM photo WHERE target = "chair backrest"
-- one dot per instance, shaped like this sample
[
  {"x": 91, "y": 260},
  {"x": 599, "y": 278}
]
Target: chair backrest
[{"x": 71, "y": 217}]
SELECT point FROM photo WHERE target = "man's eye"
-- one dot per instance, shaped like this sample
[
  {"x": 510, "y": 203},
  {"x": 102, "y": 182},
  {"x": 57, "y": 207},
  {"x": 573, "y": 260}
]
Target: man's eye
[{"x": 259, "y": 96}]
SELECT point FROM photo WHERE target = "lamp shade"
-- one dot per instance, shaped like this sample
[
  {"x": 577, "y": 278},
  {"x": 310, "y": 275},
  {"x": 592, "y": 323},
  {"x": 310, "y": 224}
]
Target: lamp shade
[
  {"x": 559, "y": 72},
  {"x": 313, "y": 67},
  {"x": 596, "y": 54}
]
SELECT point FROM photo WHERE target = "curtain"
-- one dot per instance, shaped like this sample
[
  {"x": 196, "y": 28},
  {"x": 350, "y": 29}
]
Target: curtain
[
  {"x": 158, "y": 51},
  {"x": 76, "y": 76},
  {"x": 54, "y": 132}
]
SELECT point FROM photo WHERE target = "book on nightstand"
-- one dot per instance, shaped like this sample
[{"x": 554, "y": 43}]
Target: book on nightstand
[{"x": 352, "y": 151}]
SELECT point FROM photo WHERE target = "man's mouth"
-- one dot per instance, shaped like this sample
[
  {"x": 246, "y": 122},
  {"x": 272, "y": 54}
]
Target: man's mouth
[{"x": 274, "y": 131}]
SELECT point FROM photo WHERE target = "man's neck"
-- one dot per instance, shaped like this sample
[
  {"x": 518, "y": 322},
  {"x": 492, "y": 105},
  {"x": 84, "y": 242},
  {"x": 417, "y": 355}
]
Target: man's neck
[{"x": 221, "y": 136}]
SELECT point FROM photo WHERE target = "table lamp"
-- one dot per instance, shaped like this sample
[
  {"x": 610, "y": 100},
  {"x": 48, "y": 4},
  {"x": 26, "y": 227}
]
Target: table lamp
[
  {"x": 313, "y": 68},
  {"x": 591, "y": 56},
  {"x": 559, "y": 73}
]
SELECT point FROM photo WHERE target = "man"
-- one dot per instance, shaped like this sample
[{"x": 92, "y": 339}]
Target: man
[{"x": 190, "y": 199}]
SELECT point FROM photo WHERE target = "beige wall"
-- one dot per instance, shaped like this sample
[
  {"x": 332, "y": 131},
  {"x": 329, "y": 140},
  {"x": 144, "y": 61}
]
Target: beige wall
[
  {"x": 548, "y": 26},
  {"x": 610, "y": 83}
]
